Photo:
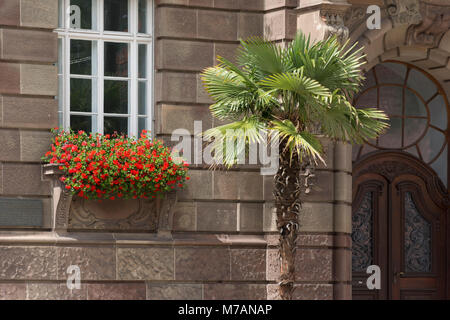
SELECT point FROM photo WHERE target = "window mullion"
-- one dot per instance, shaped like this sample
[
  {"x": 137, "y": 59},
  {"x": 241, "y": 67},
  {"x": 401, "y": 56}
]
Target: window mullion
[
  {"x": 66, "y": 71},
  {"x": 150, "y": 62},
  {"x": 100, "y": 86},
  {"x": 133, "y": 99}
]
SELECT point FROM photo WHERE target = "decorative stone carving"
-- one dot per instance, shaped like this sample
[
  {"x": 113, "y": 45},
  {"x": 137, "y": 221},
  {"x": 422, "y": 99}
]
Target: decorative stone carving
[
  {"x": 436, "y": 21},
  {"x": 77, "y": 214},
  {"x": 334, "y": 21},
  {"x": 404, "y": 11}
]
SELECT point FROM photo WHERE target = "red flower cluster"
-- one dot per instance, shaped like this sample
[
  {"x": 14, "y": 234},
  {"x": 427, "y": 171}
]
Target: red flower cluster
[{"x": 115, "y": 167}]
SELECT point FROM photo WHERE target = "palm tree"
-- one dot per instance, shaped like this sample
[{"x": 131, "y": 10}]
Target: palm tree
[{"x": 298, "y": 93}]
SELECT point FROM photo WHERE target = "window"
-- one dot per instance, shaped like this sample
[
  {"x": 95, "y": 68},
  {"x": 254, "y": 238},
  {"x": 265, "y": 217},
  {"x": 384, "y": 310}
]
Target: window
[
  {"x": 418, "y": 110},
  {"x": 105, "y": 65}
]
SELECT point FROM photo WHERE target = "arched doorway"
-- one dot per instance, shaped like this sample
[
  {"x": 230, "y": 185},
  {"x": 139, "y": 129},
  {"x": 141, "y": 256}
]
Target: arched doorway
[{"x": 400, "y": 188}]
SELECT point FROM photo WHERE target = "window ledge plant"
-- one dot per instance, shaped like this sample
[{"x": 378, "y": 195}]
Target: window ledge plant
[{"x": 97, "y": 167}]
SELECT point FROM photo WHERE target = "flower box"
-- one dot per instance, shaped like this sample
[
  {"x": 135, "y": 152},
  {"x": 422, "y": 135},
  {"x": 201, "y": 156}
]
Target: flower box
[{"x": 112, "y": 183}]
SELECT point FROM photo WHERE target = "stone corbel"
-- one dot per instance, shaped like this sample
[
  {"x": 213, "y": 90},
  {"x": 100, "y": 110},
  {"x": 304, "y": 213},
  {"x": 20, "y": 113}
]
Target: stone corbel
[
  {"x": 323, "y": 18},
  {"x": 403, "y": 11},
  {"x": 61, "y": 199}
]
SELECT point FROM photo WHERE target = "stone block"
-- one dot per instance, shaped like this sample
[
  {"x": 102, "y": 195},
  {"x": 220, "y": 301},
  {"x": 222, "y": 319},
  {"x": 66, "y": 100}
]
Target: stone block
[
  {"x": 235, "y": 291},
  {"x": 343, "y": 218},
  {"x": 185, "y": 216},
  {"x": 34, "y": 145},
  {"x": 273, "y": 292},
  {"x": 202, "y": 94},
  {"x": 198, "y": 187},
  {"x": 274, "y": 4},
  {"x": 250, "y": 186},
  {"x": 96, "y": 263},
  {"x": 238, "y": 185},
  {"x": 157, "y": 291},
  {"x": 29, "y": 45},
  {"x": 201, "y": 3},
  {"x": 13, "y": 291},
  {"x": 215, "y": 216},
  {"x": 202, "y": 263},
  {"x": 323, "y": 187},
  {"x": 27, "y": 263},
  {"x": 117, "y": 291},
  {"x": 269, "y": 185},
  {"x": 250, "y": 25},
  {"x": 270, "y": 217},
  {"x": 21, "y": 212},
  {"x": 55, "y": 291},
  {"x": 251, "y": 217},
  {"x": 273, "y": 265},
  {"x": 313, "y": 292},
  {"x": 38, "y": 113},
  {"x": 343, "y": 187},
  {"x": 31, "y": 80},
  {"x": 253, "y": 5},
  {"x": 176, "y": 22},
  {"x": 342, "y": 270},
  {"x": 145, "y": 263},
  {"x": 188, "y": 115},
  {"x": 375, "y": 49},
  {"x": 412, "y": 53},
  {"x": 395, "y": 37},
  {"x": 315, "y": 240},
  {"x": 184, "y": 55},
  {"x": 275, "y": 25},
  {"x": 217, "y": 25},
  {"x": 225, "y": 50},
  {"x": 248, "y": 264},
  {"x": 176, "y": 87},
  {"x": 313, "y": 265},
  {"x": 10, "y": 12},
  {"x": 316, "y": 217},
  {"x": 445, "y": 42},
  {"x": 10, "y": 145},
  {"x": 343, "y": 157},
  {"x": 230, "y": 4},
  {"x": 39, "y": 13},
  {"x": 178, "y": 2},
  {"x": 10, "y": 78},
  {"x": 24, "y": 179}
]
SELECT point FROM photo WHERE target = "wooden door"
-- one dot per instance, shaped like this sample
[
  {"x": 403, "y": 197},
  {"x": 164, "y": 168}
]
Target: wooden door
[{"x": 399, "y": 224}]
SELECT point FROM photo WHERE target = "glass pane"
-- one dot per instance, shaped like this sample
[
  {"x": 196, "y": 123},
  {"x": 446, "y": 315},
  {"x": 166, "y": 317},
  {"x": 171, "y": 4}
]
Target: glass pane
[
  {"x": 81, "y": 95},
  {"x": 142, "y": 124},
  {"x": 368, "y": 99},
  {"x": 417, "y": 238},
  {"x": 142, "y": 22},
  {"x": 60, "y": 56},
  {"x": 413, "y": 105},
  {"x": 116, "y": 59},
  {"x": 60, "y": 93},
  {"x": 81, "y": 14},
  {"x": 142, "y": 99},
  {"x": 391, "y": 73},
  {"x": 142, "y": 61},
  {"x": 431, "y": 144},
  {"x": 369, "y": 81},
  {"x": 413, "y": 151},
  {"x": 61, "y": 13},
  {"x": 391, "y": 100},
  {"x": 116, "y": 15},
  {"x": 422, "y": 84},
  {"x": 116, "y": 97},
  {"x": 440, "y": 166},
  {"x": 414, "y": 129},
  {"x": 81, "y": 57},
  {"x": 115, "y": 124},
  {"x": 438, "y": 112},
  {"x": 362, "y": 234},
  {"x": 393, "y": 138},
  {"x": 81, "y": 123}
]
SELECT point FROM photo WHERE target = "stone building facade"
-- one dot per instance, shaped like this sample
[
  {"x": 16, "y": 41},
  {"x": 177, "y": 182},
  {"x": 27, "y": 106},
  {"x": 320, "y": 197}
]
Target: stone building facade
[{"x": 222, "y": 242}]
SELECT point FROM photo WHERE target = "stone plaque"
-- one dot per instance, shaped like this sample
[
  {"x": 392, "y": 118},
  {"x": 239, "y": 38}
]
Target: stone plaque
[{"x": 20, "y": 212}]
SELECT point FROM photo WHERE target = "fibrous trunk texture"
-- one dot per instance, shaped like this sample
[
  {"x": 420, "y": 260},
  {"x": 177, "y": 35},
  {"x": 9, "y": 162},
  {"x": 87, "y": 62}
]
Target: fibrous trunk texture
[{"x": 287, "y": 192}]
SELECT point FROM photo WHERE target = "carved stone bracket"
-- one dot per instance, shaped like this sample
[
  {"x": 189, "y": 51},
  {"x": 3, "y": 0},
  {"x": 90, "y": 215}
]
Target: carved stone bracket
[
  {"x": 77, "y": 214},
  {"x": 331, "y": 15}
]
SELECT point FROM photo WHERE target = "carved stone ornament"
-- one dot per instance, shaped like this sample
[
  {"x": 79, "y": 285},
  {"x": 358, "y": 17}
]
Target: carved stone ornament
[
  {"x": 135, "y": 215},
  {"x": 436, "y": 21},
  {"x": 335, "y": 25},
  {"x": 404, "y": 11}
]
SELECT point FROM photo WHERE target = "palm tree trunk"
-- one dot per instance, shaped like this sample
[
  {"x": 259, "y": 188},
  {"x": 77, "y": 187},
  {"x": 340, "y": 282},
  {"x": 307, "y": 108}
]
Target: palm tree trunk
[{"x": 287, "y": 192}]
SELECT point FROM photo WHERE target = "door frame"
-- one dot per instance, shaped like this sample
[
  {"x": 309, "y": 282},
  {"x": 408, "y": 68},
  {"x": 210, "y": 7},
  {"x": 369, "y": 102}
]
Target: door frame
[{"x": 391, "y": 164}]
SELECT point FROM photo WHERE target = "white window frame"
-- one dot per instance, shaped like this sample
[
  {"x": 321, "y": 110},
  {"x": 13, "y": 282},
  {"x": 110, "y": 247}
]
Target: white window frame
[{"x": 133, "y": 39}]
